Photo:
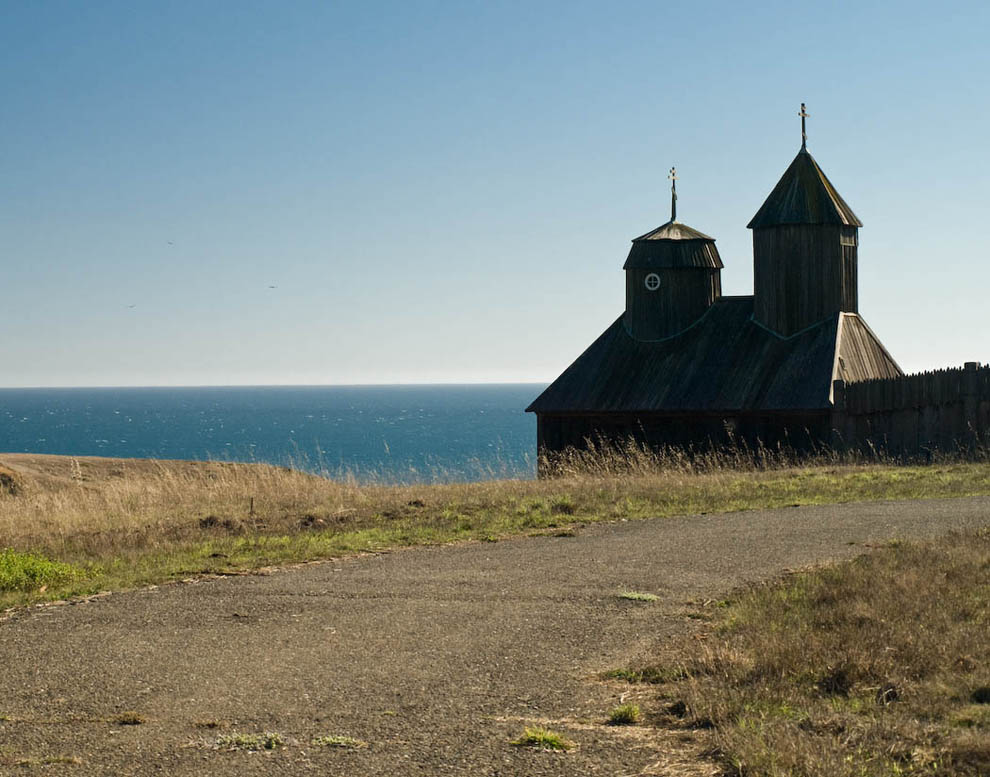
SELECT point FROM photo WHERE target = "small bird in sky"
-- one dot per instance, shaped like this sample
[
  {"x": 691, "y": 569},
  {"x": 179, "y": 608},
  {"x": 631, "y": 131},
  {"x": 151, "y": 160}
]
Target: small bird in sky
[
  {"x": 170, "y": 243},
  {"x": 273, "y": 287},
  {"x": 131, "y": 306}
]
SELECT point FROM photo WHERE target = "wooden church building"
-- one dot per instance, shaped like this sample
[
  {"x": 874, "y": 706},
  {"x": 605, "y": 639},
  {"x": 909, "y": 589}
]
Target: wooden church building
[{"x": 686, "y": 366}]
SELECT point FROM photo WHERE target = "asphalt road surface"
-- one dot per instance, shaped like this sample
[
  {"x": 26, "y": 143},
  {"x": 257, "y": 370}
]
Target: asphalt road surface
[{"x": 435, "y": 657}]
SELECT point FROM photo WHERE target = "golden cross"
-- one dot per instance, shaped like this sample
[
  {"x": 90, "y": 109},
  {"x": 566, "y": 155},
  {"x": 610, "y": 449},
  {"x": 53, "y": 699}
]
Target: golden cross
[{"x": 804, "y": 133}]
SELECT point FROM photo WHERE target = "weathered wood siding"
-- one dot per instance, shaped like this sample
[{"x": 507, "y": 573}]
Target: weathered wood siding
[
  {"x": 802, "y": 274},
  {"x": 697, "y": 431},
  {"x": 915, "y": 415},
  {"x": 682, "y": 298},
  {"x": 673, "y": 253},
  {"x": 861, "y": 355}
]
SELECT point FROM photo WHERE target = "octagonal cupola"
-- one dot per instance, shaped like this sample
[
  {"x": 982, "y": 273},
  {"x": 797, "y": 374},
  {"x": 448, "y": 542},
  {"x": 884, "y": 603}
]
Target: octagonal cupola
[{"x": 673, "y": 275}]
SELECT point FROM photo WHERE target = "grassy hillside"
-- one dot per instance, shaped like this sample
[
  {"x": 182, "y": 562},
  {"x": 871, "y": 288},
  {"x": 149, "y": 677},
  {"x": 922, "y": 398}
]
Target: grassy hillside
[
  {"x": 877, "y": 667},
  {"x": 110, "y": 524}
]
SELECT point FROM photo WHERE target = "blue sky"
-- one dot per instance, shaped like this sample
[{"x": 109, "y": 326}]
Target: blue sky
[{"x": 445, "y": 191}]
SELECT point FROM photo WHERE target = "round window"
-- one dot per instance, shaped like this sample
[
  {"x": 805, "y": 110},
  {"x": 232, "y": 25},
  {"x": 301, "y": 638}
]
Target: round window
[{"x": 652, "y": 281}]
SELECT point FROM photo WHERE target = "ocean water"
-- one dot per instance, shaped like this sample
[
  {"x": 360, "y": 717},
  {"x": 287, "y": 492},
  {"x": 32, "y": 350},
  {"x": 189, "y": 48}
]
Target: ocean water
[{"x": 375, "y": 433}]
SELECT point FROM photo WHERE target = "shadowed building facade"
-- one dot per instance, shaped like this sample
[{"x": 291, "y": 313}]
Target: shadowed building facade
[{"x": 686, "y": 366}]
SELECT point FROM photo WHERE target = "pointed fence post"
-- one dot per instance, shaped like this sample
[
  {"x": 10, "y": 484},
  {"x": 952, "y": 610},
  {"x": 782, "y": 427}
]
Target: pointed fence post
[{"x": 971, "y": 404}]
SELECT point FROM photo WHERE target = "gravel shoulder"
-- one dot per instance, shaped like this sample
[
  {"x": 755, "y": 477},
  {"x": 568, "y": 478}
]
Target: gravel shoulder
[{"x": 435, "y": 657}]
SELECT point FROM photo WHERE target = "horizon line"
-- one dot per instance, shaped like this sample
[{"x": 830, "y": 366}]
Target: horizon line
[{"x": 277, "y": 385}]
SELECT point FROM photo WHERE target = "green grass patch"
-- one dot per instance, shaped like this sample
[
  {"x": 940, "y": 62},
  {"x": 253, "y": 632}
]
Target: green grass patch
[
  {"x": 269, "y": 740},
  {"x": 636, "y": 596},
  {"x": 339, "y": 740},
  {"x": 26, "y": 571},
  {"x": 869, "y": 668},
  {"x": 544, "y": 739},
  {"x": 624, "y": 715},
  {"x": 650, "y": 675}
]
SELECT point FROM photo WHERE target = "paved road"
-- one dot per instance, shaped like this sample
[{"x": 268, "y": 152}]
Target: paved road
[{"x": 436, "y": 657}]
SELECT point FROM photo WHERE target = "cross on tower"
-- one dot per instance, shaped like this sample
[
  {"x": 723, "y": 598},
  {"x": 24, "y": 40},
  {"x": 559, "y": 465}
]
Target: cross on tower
[
  {"x": 804, "y": 133},
  {"x": 673, "y": 193}
]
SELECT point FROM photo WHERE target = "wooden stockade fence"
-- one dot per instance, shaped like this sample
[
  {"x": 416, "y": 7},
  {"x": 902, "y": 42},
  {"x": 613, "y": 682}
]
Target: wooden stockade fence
[{"x": 916, "y": 415}]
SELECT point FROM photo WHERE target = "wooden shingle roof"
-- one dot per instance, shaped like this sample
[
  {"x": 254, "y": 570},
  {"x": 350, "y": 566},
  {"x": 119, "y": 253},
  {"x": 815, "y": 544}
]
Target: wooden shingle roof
[
  {"x": 673, "y": 230},
  {"x": 804, "y": 195},
  {"x": 673, "y": 245},
  {"x": 725, "y": 362}
]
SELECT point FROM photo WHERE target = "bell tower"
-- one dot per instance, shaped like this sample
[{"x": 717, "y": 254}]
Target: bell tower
[
  {"x": 805, "y": 244},
  {"x": 673, "y": 275}
]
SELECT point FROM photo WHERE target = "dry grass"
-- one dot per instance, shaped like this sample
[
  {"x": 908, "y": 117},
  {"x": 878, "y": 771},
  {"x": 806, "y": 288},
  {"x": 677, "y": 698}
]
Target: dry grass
[
  {"x": 339, "y": 740},
  {"x": 873, "y": 667},
  {"x": 269, "y": 740},
  {"x": 122, "y": 523}
]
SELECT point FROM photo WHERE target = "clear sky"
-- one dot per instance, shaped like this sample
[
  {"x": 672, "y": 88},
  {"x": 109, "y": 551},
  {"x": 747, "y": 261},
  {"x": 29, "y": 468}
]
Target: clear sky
[{"x": 445, "y": 191}]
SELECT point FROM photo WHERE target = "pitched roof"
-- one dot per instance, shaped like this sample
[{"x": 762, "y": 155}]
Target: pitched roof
[
  {"x": 673, "y": 245},
  {"x": 804, "y": 195},
  {"x": 861, "y": 355},
  {"x": 725, "y": 362}
]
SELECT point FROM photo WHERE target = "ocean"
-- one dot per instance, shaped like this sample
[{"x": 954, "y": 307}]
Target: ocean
[{"x": 392, "y": 434}]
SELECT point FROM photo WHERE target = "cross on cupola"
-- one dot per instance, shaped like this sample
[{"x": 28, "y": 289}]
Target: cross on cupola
[
  {"x": 804, "y": 131},
  {"x": 673, "y": 194}
]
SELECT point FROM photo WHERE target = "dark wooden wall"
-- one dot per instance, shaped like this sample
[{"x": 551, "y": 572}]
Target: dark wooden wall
[
  {"x": 908, "y": 416},
  {"x": 806, "y": 431},
  {"x": 802, "y": 273},
  {"x": 915, "y": 415},
  {"x": 684, "y": 295}
]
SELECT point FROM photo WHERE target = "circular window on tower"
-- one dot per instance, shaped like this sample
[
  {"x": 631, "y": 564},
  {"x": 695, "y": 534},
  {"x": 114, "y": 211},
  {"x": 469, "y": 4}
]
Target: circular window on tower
[{"x": 652, "y": 282}]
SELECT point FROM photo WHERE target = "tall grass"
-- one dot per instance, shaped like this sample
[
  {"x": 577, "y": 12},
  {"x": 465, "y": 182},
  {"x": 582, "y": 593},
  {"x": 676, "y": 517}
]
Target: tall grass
[
  {"x": 602, "y": 457},
  {"x": 605, "y": 457},
  {"x": 129, "y": 522}
]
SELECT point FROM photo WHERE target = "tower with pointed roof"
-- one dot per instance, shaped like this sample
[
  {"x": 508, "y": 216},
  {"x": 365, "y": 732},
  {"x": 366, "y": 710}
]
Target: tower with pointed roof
[
  {"x": 805, "y": 240},
  {"x": 673, "y": 275}
]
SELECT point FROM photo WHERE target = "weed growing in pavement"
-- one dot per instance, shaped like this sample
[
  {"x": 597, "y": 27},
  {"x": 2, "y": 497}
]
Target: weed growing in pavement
[
  {"x": 543, "y": 738},
  {"x": 624, "y": 715},
  {"x": 254, "y": 742},
  {"x": 49, "y": 760},
  {"x": 636, "y": 596},
  {"x": 129, "y": 718},
  {"x": 339, "y": 740}
]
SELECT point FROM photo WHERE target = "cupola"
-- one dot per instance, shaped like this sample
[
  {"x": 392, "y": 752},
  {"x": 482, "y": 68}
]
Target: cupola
[{"x": 673, "y": 275}]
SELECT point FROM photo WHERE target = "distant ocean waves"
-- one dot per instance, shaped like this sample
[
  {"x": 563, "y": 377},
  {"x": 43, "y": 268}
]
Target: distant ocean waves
[{"x": 373, "y": 433}]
